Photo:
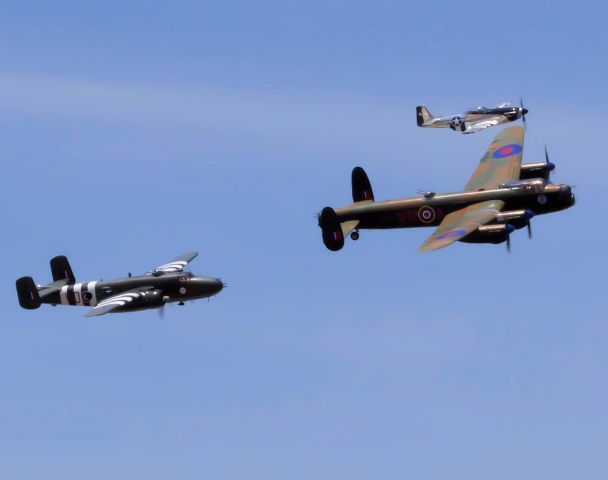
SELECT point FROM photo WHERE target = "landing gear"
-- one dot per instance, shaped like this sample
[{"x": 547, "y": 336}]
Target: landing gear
[{"x": 354, "y": 235}]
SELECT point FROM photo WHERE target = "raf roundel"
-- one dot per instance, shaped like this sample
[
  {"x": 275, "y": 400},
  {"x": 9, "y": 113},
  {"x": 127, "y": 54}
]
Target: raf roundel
[
  {"x": 426, "y": 214},
  {"x": 507, "y": 151}
]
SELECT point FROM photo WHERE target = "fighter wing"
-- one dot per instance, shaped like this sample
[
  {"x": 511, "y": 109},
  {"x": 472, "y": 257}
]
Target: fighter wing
[
  {"x": 176, "y": 265},
  {"x": 460, "y": 223},
  {"x": 477, "y": 125},
  {"x": 117, "y": 301},
  {"x": 502, "y": 161}
]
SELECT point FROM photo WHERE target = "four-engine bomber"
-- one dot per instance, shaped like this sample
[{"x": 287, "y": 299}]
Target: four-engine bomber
[{"x": 501, "y": 196}]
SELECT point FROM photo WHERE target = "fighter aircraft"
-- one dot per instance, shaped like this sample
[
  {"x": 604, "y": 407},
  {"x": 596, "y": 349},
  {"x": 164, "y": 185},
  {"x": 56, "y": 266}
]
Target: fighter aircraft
[
  {"x": 472, "y": 120},
  {"x": 164, "y": 284},
  {"x": 501, "y": 196}
]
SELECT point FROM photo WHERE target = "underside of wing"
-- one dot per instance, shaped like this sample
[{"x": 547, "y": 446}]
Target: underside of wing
[
  {"x": 118, "y": 301},
  {"x": 502, "y": 161},
  {"x": 476, "y": 126},
  {"x": 461, "y": 223},
  {"x": 175, "y": 265}
]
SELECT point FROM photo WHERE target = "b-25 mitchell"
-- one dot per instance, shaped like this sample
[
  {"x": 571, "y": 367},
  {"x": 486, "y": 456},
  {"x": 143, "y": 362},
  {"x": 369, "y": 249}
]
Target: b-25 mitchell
[
  {"x": 501, "y": 196},
  {"x": 473, "y": 120},
  {"x": 166, "y": 283}
]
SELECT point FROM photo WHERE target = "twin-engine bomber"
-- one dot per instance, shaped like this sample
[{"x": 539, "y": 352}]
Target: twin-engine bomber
[
  {"x": 501, "y": 196},
  {"x": 164, "y": 284}
]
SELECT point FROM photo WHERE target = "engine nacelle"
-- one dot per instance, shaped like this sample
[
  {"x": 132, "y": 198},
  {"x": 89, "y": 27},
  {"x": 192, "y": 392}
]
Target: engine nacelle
[
  {"x": 490, "y": 234},
  {"x": 536, "y": 170},
  {"x": 149, "y": 299},
  {"x": 517, "y": 218},
  {"x": 531, "y": 184}
]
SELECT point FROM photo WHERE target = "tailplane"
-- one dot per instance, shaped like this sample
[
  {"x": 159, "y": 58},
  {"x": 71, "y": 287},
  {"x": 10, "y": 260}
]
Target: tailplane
[
  {"x": 423, "y": 115},
  {"x": 61, "y": 269},
  {"x": 28, "y": 293}
]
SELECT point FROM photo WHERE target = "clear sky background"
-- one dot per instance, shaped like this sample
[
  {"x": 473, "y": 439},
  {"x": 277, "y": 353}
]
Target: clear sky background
[{"x": 132, "y": 131}]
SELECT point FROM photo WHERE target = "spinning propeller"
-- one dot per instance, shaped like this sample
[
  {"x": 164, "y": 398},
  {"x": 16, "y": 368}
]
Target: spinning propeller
[
  {"x": 523, "y": 111},
  {"x": 550, "y": 166}
]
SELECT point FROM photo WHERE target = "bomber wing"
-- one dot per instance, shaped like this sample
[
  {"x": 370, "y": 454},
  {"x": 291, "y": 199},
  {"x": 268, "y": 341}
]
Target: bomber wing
[
  {"x": 175, "y": 265},
  {"x": 502, "y": 161},
  {"x": 117, "y": 301},
  {"x": 460, "y": 223}
]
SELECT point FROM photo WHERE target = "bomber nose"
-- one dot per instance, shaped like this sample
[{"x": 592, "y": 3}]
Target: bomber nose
[
  {"x": 217, "y": 285},
  {"x": 207, "y": 286}
]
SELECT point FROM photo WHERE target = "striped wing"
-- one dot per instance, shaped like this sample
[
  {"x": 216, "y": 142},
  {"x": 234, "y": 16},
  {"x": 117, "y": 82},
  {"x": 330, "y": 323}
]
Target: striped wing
[
  {"x": 177, "y": 264},
  {"x": 460, "y": 223},
  {"x": 117, "y": 301},
  {"x": 502, "y": 161}
]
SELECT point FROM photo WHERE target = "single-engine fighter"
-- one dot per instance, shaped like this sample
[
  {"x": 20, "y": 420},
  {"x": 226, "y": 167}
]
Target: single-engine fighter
[
  {"x": 501, "y": 196},
  {"x": 472, "y": 120},
  {"x": 164, "y": 284}
]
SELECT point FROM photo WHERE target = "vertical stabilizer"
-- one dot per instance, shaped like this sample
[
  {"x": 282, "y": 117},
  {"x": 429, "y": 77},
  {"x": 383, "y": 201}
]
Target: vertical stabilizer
[
  {"x": 28, "y": 293},
  {"x": 362, "y": 188},
  {"x": 60, "y": 267},
  {"x": 423, "y": 115}
]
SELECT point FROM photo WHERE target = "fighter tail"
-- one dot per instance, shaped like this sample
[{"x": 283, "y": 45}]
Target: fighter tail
[{"x": 423, "y": 115}]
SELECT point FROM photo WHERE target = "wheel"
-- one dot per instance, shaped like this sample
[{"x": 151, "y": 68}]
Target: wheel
[{"x": 354, "y": 235}]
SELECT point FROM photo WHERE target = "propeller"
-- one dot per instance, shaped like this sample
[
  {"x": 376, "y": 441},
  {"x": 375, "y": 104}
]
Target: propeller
[
  {"x": 529, "y": 229},
  {"x": 509, "y": 229},
  {"x": 547, "y": 161},
  {"x": 523, "y": 111}
]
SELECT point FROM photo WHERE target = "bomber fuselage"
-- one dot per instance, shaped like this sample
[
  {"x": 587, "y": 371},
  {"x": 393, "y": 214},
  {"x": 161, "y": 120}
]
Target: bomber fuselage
[
  {"x": 163, "y": 288},
  {"x": 429, "y": 210}
]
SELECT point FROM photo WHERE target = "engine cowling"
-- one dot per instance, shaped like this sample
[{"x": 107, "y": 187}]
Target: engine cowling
[
  {"x": 149, "y": 299},
  {"x": 517, "y": 218},
  {"x": 536, "y": 170},
  {"x": 490, "y": 234}
]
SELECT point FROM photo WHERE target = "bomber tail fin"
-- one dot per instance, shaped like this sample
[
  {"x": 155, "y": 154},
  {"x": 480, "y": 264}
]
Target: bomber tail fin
[
  {"x": 61, "y": 269},
  {"x": 423, "y": 115},
  {"x": 362, "y": 188},
  {"x": 333, "y": 238},
  {"x": 27, "y": 292}
]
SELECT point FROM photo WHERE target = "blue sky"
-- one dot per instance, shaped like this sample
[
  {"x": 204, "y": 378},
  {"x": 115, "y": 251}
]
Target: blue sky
[{"x": 135, "y": 131}]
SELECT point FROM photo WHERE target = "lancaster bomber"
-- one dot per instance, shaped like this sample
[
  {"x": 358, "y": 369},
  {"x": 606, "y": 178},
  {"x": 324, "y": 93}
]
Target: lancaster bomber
[
  {"x": 473, "y": 120},
  {"x": 501, "y": 196},
  {"x": 164, "y": 284}
]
